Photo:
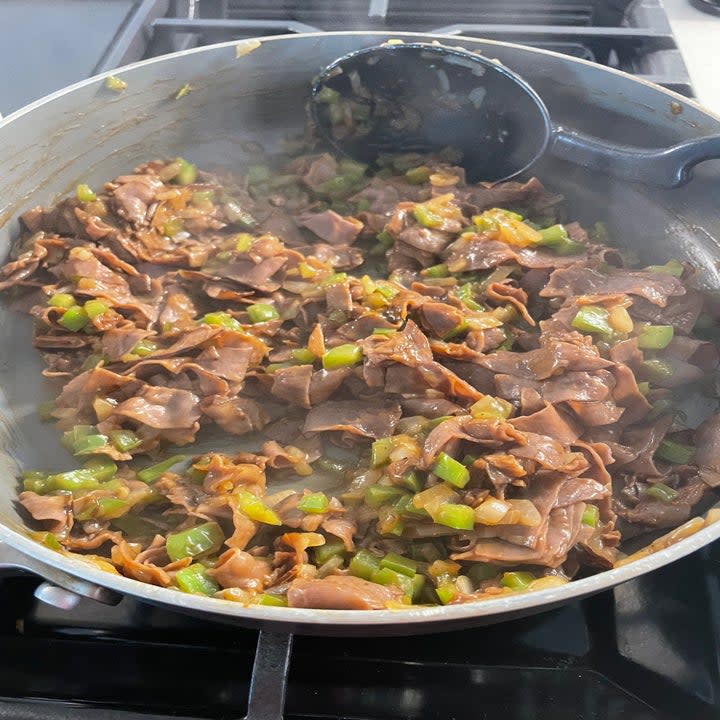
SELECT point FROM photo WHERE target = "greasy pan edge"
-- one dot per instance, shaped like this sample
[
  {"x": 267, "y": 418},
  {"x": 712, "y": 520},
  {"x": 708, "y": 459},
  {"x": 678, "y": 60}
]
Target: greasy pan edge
[{"x": 425, "y": 619}]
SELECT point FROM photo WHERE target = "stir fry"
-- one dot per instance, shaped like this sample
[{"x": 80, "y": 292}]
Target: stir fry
[{"x": 449, "y": 392}]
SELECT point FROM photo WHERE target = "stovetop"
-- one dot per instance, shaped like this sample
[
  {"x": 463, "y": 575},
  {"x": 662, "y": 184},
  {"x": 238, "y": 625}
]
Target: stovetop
[
  {"x": 649, "y": 650},
  {"x": 64, "y": 41}
]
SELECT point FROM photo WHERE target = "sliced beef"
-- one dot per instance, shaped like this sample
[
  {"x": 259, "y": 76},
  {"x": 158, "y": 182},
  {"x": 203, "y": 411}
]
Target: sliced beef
[
  {"x": 364, "y": 418},
  {"x": 342, "y": 592}
]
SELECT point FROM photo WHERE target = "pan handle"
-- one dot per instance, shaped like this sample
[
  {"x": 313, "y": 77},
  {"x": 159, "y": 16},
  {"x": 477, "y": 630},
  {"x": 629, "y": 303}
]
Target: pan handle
[
  {"x": 665, "y": 167},
  {"x": 269, "y": 676},
  {"x": 12, "y": 561}
]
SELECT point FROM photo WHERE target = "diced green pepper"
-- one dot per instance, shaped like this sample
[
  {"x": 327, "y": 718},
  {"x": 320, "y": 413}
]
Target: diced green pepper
[
  {"x": 71, "y": 437},
  {"x": 195, "y": 542},
  {"x": 262, "y": 312},
  {"x": 345, "y": 355},
  {"x": 243, "y": 242},
  {"x": 592, "y": 319},
  {"x": 124, "y": 440},
  {"x": 74, "y": 318},
  {"x": 271, "y": 600},
  {"x": 84, "y": 193},
  {"x": 102, "y": 467},
  {"x": 411, "y": 481},
  {"x": 334, "y": 279},
  {"x": 672, "y": 267},
  {"x": 48, "y": 539},
  {"x": 460, "y": 517},
  {"x": 553, "y": 235},
  {"x": 95, "y": 308},
  {"x": 568, "y": 247},
  {"x": 656, "y": 370},
  {"x": 446, "y": 593},
  {"x": 83, "y": 440},
  {"x": 303, "y": 356},
  {"x": 436, "y": 271},
  {"x": 399, "y": 564},
  {"x": 314, "y": 503},
  {"x": 386, "y": 576},
  {"x": 187, "y": 173},
  {"x": 377, "y": 495},
  {"x": 364, "y": 564},
  {"x": 384, "y": 331},
  {"x": 380, "y": 451},
  {"x": 153, "y": 472},
  {"x": 89, "y": 444},
  {"x": 517, "y": 580},
  {"x": 385, "y": 238},
  {"x": 340, "y": 187},
  {"x": 36, "y": 481},
  {"x": 418, "y": 175},
  {"x": 103, "y": 508},
  {"x": 256, "y": 509},
  {"x": 62, "y": 300},
  {"x": 144, "y": 348},
  {"x": 591, "y": 515},
  {"x": 451, "y": 470},
  {"x": 655, "y": 337},
  {"x": 464, "y": 293},
  {"x": 331, "y": 548},
  {"x": 662, "y": 492},
  {"x": 675, "y": 452},
  {"x": 80, "y": 479},
  {"x": 352, "y": 168},
  {"x": 194, "y": 579},
  {"x": 222, "y": 319},
  {"x": 426, "y": 217}
]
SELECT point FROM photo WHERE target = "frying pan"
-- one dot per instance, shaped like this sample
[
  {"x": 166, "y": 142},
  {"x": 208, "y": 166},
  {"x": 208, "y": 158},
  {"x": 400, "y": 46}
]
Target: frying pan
[{"x": 242, "y": 91}]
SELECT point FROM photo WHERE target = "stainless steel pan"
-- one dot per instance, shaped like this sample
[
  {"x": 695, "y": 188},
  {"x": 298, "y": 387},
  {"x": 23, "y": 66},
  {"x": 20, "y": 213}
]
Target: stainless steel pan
[{"x": 249, "y": 90}]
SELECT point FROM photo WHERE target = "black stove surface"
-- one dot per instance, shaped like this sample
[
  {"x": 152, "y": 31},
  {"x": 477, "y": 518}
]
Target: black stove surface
[
  {"x": 649, "y": 650},
  {"x": 47, "y": 44}
]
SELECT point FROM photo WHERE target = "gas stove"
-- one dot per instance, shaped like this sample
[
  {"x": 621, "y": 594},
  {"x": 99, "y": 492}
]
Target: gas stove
[
  {"x": 647, "y": 650},
  {"x": 91, "y": 36}
]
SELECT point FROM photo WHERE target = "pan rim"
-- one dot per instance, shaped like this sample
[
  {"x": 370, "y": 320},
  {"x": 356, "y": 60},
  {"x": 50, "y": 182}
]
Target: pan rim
[{"x": 306, "y": 619}]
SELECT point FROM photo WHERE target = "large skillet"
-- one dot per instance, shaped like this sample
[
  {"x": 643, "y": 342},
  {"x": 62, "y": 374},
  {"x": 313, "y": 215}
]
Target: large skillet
[{"x": 89, "y": 134}]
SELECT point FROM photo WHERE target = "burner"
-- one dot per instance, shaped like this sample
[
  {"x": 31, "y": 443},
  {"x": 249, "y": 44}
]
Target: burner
[{"x": 646, "y": 651}]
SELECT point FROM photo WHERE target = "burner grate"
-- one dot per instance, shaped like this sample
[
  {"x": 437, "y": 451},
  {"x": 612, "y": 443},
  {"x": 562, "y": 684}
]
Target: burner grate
[{"x": 633, "y": 37}]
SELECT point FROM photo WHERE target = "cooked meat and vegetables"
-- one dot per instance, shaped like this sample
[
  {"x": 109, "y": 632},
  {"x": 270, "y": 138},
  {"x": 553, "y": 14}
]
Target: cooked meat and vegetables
[{"x": 478, "y": 396}]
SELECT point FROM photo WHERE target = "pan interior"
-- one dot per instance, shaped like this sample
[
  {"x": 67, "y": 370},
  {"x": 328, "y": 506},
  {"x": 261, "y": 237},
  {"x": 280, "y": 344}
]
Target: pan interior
[{"x": 91, "y": 135}]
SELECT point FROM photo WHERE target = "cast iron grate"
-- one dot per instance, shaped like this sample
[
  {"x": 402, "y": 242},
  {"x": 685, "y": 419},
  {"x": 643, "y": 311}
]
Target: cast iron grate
[{"x": 631, "y": 36}]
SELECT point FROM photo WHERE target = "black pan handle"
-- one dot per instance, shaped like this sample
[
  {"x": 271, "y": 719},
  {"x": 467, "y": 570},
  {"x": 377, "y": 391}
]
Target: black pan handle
[
  {"x": 13, "y": 561},
  {"x": 269, "y": 676},
  {"x": 666, "y": 167}
]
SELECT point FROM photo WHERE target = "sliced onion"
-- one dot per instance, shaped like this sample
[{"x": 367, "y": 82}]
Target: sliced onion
[
  {"x": 491, "y": 511},
  {"x": 549, "y": 581},
  {"x": 433, "y": 497},
  {"x": 522, "y": 512}
]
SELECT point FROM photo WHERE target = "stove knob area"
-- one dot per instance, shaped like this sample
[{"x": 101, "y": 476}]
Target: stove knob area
[{"x": 58, "y": 597}]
